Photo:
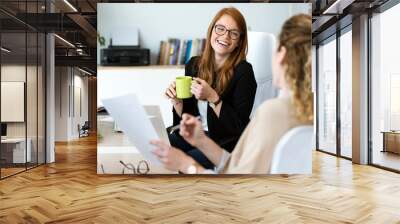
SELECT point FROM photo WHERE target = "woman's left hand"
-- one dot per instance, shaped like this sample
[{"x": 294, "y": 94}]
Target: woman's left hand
[
  {"x": 173, "y": 159},
  {"x": 203, "y": 91}
]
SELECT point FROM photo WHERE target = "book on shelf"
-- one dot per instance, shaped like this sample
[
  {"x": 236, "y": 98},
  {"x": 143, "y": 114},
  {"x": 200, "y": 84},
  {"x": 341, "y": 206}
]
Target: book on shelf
[
  {"x": 175, "y": 51},
  {"x": 181, "y": 50},
  {"x": 162, "y": 52},
  {"x": 166, "y": 53},
  {"x": 189, "y": 47}
]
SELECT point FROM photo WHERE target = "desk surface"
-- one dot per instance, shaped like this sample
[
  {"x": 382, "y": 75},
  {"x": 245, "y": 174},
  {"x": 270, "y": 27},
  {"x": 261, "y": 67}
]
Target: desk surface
[
  {"x": 13, "y": 140},
  {"x": 117, "y": 150},
  {"x": 390, "y": 132}
]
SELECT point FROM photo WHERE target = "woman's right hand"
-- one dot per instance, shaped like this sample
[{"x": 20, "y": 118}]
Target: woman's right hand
[
  {"x": 171, "y": 94},
  {"x": 191, "y": 130},
  {"x": 171, "y": 157}
]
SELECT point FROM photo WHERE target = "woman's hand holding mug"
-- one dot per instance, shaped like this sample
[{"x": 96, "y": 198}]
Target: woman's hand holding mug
[
  {"x": 171, "y": 94},
  {"x": 203, "y": 91}
]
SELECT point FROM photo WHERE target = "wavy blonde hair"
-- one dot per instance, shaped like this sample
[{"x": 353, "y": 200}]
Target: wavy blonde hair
[
  {"x": 207, "y": 70},
  {"x": 296, "y": 38}
]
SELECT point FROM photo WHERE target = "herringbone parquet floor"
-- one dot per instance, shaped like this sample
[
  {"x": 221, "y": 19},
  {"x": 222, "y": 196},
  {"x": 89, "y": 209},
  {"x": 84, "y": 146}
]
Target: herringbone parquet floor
[{"x": 70, "y": 191}]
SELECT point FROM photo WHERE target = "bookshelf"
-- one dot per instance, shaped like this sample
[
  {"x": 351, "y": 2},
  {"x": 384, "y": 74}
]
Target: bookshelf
[{"x": 176, "y": 51}]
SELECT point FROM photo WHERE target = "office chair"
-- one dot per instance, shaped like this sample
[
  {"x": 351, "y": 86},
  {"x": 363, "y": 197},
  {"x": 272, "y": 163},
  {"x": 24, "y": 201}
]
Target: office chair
[
  {"x": 84, "y": 130},
  {"x": 259, "y": 55},
  {"x": 293, "y": 153}
]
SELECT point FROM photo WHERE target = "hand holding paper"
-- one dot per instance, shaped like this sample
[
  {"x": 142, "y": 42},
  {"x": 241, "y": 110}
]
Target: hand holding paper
[{"x": 134, "y": 122}]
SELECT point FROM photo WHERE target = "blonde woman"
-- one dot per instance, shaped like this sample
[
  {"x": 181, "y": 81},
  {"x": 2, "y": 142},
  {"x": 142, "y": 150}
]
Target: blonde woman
[
  {"x": 224, "y": 88},
  {"x": 253, "y": 153}
]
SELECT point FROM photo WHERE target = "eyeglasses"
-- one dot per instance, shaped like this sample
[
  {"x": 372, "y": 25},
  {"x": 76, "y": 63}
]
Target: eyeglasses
[
  {"x": 128, "y": 168},
  {"x": 221, "y": 30},
  {"x": 142, "y": 167}
]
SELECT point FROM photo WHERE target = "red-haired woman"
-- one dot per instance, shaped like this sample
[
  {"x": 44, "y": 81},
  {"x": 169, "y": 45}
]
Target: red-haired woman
[{"x": 224, "y": 87}]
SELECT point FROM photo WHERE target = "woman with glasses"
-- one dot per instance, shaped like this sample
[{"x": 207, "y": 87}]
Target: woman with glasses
[
  {"x": 224, "y": 86},
  {"x": 291, "y": 69}
]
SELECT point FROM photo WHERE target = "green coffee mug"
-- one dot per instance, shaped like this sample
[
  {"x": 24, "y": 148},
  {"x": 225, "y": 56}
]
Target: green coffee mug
[{"x": 183, "y": 84}]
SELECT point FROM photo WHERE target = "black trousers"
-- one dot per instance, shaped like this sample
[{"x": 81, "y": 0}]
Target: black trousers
[{"x": 177, "y": 141}]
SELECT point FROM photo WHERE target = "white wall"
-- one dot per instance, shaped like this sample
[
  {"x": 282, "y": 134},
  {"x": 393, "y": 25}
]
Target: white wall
[
  {"x": 61, "y": 103},
  {"x": 82, "y": 82},
  {"x": 68, "y": 82},
  {"x": 79, "y": 117},
  {"x": 158, "y": 22}
]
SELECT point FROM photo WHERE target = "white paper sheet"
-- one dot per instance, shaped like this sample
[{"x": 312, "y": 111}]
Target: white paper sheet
[{"x": 132, "y": 119}]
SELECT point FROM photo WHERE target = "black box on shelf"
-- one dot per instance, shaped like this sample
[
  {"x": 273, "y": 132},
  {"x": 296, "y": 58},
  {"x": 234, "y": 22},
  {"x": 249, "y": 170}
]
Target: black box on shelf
[{"x": 125, "y": 56}]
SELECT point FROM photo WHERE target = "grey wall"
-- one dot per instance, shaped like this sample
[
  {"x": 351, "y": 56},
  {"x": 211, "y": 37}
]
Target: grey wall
[
  {"x": 158, "y": 22},
  {"x": 67, "y": 117}
]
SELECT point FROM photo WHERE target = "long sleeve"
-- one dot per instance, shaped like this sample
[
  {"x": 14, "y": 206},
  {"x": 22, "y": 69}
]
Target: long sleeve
[
  {"x": 235, "y": 114},
  {"x": 237, "y": 103},
  {"x": 254, "y": 151}
]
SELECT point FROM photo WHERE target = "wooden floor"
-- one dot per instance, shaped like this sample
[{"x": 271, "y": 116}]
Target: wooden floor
[
  {"x": 70, "y": 191},
  {"x": 10, "y": 171},
  {"x": 387, "y": 159}
]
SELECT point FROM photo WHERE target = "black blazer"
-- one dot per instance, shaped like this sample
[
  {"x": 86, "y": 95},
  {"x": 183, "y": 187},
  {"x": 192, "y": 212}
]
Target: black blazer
[{"x": 237, "y": 102}]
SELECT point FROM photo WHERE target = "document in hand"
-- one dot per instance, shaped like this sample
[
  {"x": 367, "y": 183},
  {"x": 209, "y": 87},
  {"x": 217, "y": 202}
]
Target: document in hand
[{"x": 132, "y": 119}]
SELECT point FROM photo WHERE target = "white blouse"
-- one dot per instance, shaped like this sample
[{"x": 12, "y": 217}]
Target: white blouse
[{"x": 202, "y": 105}]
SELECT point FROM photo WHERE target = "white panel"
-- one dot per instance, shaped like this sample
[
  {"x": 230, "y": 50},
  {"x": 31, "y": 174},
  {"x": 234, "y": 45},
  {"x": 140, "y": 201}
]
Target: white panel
[
  {"x": 12, "y": 101},
  {"x": 121, "y": 36},
  {"x": 77, "y": 112},
  {"x": 77, "y": 101}
]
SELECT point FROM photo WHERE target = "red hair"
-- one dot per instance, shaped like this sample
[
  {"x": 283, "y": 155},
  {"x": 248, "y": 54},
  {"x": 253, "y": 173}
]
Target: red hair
[{"x": 207, "y": 70}]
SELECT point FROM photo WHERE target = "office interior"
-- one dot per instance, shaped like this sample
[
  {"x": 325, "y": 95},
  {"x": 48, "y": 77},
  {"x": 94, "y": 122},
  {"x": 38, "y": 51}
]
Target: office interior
[
  {"x": 114, "y": 24},
  {"x": 48, "y": 81},
  {"x": 357, "y": 81},
  {"x": 48, "y": 68}
]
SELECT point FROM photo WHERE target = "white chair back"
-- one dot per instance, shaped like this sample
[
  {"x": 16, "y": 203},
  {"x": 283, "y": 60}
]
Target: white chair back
[
  {"x": 293, "y": 153},
  {"x": 259, "y": 55}
]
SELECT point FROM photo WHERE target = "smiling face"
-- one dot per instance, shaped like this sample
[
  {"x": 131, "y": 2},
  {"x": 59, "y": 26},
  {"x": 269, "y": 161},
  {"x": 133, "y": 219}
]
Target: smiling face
[{"x": 223, "y": 45}]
